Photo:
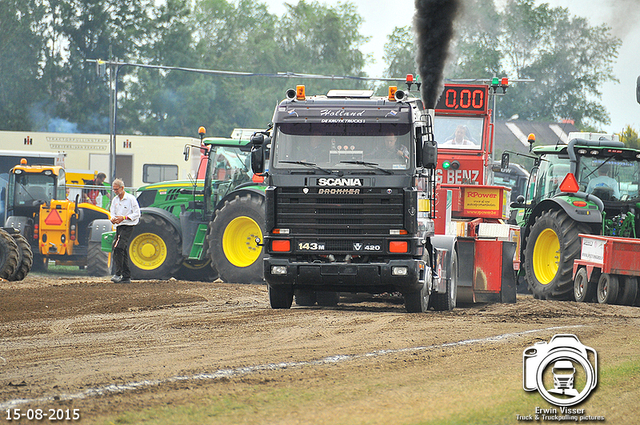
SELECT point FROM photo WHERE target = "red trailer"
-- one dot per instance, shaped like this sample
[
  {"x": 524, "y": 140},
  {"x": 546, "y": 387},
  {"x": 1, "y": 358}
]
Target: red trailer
[{"x": 607, "y": 270}]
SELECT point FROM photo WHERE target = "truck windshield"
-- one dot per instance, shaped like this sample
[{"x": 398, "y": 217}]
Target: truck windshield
[
  {"x": 458, "y": 132},
  {"x": 343, "y": 146},
  {"x": 610, "y": 179}
]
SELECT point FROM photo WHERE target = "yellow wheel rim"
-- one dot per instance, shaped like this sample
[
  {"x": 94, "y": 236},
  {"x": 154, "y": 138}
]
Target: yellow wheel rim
[
  {"x": 546, "y": 256},
  {"x": 239, "y": 241},
  {"x": 148, "y": 251}
]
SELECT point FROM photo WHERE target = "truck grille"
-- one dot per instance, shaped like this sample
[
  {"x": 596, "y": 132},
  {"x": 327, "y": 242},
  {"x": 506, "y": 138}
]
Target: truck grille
[{"x": 372, "y": 212}]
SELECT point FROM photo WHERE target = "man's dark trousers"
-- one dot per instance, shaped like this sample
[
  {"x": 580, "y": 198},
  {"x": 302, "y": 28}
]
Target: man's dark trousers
[{"x": 121, "y": 251}]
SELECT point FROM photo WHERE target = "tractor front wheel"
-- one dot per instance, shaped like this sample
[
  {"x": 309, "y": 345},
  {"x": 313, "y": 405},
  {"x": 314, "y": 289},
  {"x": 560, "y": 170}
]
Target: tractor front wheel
[
  {"x": 551, "y": 247},
  {"x": 155, "y": 249}
]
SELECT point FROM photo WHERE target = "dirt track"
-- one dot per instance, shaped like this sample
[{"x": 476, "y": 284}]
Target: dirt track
[{"x": 107, "y": 348}]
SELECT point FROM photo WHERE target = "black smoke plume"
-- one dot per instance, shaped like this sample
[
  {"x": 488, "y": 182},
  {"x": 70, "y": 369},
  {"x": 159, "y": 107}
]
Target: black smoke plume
[{"x": 433, "y": 26}]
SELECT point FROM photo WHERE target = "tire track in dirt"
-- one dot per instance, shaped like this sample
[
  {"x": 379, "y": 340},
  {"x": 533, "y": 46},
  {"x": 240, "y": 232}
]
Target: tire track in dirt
[{"x": 247, "y": 370}]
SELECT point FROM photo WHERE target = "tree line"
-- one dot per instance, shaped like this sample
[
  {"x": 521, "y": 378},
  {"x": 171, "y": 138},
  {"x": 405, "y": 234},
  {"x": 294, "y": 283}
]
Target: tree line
[{"x": 46, "y": 83}]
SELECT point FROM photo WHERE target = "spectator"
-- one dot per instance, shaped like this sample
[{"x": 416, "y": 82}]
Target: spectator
[
  {"x": 91, "y": 195},
  {"x": 125, "y": 214}
]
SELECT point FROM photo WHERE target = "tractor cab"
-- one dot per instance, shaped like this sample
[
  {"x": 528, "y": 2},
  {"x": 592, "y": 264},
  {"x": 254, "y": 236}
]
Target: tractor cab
[
  {"x": 33, "y": 185},
  {"x": 603, "y": 188}
]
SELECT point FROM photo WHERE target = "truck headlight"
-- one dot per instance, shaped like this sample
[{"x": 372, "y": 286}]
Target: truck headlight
[
  {"x": 280, "y": 270},
  {"x": 399, "y": 271}
]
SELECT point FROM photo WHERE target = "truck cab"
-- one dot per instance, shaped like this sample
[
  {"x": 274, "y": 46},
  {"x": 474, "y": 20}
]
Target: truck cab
[{"x": 349, "y": 193}]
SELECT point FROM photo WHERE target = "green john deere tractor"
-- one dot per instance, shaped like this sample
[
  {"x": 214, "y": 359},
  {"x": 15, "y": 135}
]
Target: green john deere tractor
[
  {"x": 206, "y": 228},
  {"x": 586, "y": 186}
]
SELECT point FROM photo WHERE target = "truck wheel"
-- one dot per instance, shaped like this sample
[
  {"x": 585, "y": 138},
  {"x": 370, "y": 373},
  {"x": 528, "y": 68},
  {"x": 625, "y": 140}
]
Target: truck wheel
[
  {"x": 97, "y": 260},
  {"x": 155, "y": 249},
  {"x": 327, "y": 299},
  {"x": 552, "y": 245},
  {"x": 8, "y": 255},
  {"x": 583, "y": 290},
  {"x": 447, "y": 301},
  {"x": 25, "y": 255},
  {"x": 417, "y": 302},
  {"x": 280, "y": 297},
  {"x": 630, "y": 291},
  {"x": 305, "y": 298},
  {"x": 232, "y": 239},
  {"x": 608, "y": 288}
]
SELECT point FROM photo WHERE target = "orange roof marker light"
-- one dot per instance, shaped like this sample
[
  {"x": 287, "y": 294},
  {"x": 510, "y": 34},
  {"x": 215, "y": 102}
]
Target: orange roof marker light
[
  {"x": 300, "y": 93},
  {"x": 392, "y": 92},
  {"x": 569, "y": 184}
]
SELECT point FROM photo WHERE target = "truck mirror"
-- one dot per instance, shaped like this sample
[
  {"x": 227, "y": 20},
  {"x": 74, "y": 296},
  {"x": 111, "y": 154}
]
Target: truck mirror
[
  {"x": 429, "y": 155},
  {"x": 257, "y": 139},
  {"x": 186, "y": 152},
  {"x": 504, "y": 161},
  {"x": 257, "y": 159}
]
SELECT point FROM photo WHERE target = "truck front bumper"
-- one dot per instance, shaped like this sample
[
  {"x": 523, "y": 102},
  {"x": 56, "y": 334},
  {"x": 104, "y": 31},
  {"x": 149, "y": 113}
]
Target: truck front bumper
[{"x": 402, "y": 275}]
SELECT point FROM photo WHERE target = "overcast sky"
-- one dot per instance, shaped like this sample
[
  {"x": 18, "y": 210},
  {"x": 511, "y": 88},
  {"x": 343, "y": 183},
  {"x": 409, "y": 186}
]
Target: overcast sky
[{"x": 623, "y": 16}]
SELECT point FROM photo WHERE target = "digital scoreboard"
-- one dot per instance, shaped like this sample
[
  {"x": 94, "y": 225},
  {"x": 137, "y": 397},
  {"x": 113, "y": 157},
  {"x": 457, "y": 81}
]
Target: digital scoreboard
[{"x": 463, "y": 98}]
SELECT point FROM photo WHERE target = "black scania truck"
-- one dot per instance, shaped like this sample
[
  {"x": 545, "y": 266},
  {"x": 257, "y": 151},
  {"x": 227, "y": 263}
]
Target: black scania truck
[{"x": 349, "y": 200}]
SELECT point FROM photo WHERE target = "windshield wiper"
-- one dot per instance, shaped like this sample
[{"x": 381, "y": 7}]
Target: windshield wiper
[
  {"x": 597, "y": 168},
  {"x": 308, "y": 164},
  {"x": 367, "y": 164}
]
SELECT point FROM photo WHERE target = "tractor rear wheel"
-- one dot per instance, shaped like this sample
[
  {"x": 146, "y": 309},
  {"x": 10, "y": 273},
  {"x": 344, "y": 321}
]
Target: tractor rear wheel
[
  {"x": 97, "y": 260},
  {"x": 155, "y": 249},
  {"x": 234, "y": 235},
  {"x": 8, "y": 255},
  {"x": 25, "y": 255},
  {"x": 551, "y": 247}
]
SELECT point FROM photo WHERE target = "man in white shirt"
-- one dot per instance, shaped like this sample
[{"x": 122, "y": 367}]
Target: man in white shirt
[
  {"x": 125, "y": 213},
  {"x": 460, "y": 138}
]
